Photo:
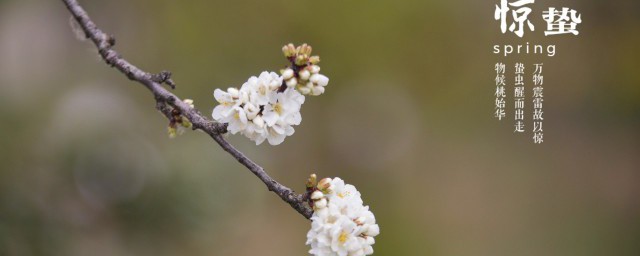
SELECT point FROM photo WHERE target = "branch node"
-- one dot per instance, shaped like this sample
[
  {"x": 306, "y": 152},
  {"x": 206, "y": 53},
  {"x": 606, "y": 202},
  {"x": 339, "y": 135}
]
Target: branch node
[
  {"x": 221, "y": 128},
  {"x": 164, "y": 77},
  {"x": 111, "y": 40}
]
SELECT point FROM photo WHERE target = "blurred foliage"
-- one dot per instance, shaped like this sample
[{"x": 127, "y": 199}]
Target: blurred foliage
[{"x": 87, "y": 168}]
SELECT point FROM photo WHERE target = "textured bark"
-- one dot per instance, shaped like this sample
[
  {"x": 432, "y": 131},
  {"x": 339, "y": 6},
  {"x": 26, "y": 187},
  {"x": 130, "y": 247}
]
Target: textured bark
[{"x": 166, "y": 102}]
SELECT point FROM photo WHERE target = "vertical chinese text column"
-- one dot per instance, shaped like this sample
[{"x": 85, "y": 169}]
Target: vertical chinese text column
[
  {"x": 538, "y": 81},
  {"x": 500, "y": 91}
]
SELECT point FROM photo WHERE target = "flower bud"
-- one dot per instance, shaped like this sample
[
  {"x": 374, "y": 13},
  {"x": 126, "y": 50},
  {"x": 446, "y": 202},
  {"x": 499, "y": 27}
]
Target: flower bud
[
  {"x": 304, "y": 90},
  {"x": 319, "y": 204},
  {"x": 315, "y": 69},
  {"x": 304, "y": 49},
  {"x": 172, "y": 132},
  {"x": 287, "y": 74},
  {"x": 323, "y": 184},
  {"x": 370, "y": 241},
  {"x": 292, "y": 82},
  {"x": 189, "y": 102},
  {"x": 289, "y": 50},
  {"x": 317, "y": 90},
  {"x": 314, "y": 60},
  {"x": 308, "y": 85},
  {"x": 301, "y": 60},
  {"x": 319, "y": 79},
  {"x": 317, "y": 195},
  {"x": 275, "y": 83},
  {"x": 186, "y": 123},
  {"x": 304, "y": 74},
  {"x": 311, "y": 181}
]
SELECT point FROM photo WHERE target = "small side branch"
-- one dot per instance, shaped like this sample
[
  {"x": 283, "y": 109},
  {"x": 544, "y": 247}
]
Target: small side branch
[{"x": 167, "y": 101}]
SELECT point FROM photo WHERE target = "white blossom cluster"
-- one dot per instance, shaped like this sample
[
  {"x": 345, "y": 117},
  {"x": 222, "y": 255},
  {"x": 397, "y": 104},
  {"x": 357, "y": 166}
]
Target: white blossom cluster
[
  {"x": 268, "y": 106},
  {"x": 258, "y": 111},
  {"x": 341, "y": 225}
]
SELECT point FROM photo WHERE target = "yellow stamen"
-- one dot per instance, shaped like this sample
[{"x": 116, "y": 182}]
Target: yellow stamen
[
  {"x": 342, "y": 195},
  {"x": 343, "y": 237},
  {"x": 278, "y": 108}
]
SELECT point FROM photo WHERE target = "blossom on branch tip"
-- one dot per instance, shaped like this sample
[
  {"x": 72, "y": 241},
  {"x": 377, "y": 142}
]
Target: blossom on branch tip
[{"x": 340, "y": 225}]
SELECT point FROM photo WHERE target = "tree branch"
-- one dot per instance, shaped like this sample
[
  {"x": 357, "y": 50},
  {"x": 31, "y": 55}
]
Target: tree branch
[{"x": 167, "y": 101}]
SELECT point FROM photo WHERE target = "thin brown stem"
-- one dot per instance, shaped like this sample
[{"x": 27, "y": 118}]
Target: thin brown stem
[{"x": 166, "y": 101}]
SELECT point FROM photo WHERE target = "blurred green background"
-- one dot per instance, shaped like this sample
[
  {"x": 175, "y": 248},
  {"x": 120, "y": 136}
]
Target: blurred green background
[{"x": 87, "y": 167}]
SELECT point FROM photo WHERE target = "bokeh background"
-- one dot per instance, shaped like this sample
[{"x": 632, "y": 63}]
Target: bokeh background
[{"x": 86, "y": 167}]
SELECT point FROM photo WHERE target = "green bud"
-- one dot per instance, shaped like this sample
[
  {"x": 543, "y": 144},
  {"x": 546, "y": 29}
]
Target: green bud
[
  {"x": 289, "y": 50},
  {"x": 311, "y": 182},
  {"x": 304, "y": 49},
  {"x": 314, "y": 60},
  {"x": 172, "y": 132},
  {"x": 186, "y": 123},
  {"x": 301, "y": 60}
]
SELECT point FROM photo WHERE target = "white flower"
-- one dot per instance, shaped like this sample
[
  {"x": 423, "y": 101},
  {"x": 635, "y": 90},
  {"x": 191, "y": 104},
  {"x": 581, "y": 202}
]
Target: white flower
[
  {"x": 341, "y": 225},
  {"x": 258, "y": 121},
  {"x": 284, "y": 107},
  {"x": 261, "y": 88},
  {"x": 225, "y": 106},
  {"x": 251, "y": 110},
  {"x": 237, "y": 120},
  {"x": 233, "y": 92},
  {"x": 277, "y": 132},
  {"x": 255, "y": 131}
]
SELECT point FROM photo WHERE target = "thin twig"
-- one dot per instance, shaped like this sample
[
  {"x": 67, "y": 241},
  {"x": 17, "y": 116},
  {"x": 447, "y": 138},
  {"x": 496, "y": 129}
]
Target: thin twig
[{"x": 166, "y": 101}]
